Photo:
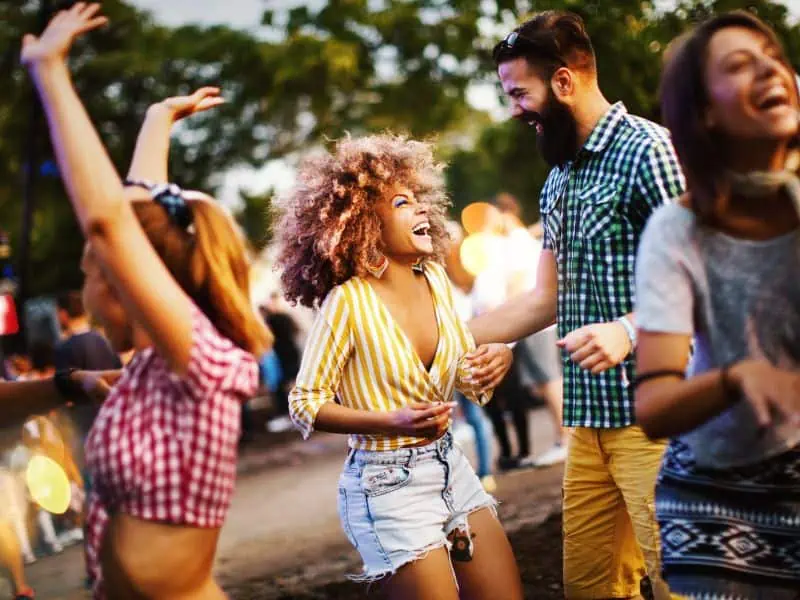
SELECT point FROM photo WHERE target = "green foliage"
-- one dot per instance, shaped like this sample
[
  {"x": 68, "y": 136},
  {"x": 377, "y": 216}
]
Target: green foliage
[
  {"x": 629, "y": 40},
  {"x": 351, "y": 65}
]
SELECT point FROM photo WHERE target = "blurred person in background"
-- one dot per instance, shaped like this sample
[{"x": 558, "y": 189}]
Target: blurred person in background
[
  {"x": 286, "y": 331},
  {"x": 506, "y": 266},
  {"x": 720, "y": 268},
  {"x": 610, "y": 171},
  {"x": 84, "y": 349},
  {"x": 462, "y": 282},
  {"x": 537, "y": 356}
]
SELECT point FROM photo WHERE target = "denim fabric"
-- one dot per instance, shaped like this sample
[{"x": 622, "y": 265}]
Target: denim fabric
[
  {"x": 476, "y": 418},
  {"x": 397, "y": 505}
]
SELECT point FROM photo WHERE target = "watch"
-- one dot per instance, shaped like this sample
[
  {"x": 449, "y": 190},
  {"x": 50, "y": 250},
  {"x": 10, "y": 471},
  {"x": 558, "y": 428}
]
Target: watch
[{"x": 629, "y": 329}]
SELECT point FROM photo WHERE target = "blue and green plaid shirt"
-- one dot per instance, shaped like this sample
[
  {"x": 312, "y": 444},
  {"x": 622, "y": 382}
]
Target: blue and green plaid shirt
[{"x": 594, "y": 210}]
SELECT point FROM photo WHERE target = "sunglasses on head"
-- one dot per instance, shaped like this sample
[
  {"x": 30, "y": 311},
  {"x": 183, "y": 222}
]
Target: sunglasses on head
[{"x": 515, "y": 40}]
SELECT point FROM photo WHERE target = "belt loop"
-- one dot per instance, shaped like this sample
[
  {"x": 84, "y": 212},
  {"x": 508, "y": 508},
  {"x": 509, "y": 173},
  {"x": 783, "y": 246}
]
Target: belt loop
[
  {"x": 351, "y": 456},
  {"x": 412, "y": 458}
]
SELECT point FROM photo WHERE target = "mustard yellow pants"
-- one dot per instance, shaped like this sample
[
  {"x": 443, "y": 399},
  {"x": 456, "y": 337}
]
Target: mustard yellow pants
[{"x": 611, "y": 536}]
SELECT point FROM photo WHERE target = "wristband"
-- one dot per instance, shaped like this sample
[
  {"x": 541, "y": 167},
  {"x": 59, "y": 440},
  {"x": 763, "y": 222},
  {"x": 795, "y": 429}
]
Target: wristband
[
  {"x": 67, "y": 387},
  {"x": 629, "y": 329},
  {"x": 729, "y": 389}
]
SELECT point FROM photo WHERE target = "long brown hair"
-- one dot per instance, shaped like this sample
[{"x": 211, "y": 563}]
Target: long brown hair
[
  {"x": 684, "y": 102},
  {"x": 210, "y": 264}
]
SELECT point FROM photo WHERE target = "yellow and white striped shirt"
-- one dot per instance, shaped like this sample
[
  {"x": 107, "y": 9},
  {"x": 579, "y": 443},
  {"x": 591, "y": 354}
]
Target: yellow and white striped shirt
[{"x": 357, "y": 355}]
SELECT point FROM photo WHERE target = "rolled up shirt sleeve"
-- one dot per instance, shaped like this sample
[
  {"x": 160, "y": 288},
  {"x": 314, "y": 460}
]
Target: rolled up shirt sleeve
[{"x": 327, "y": 350}]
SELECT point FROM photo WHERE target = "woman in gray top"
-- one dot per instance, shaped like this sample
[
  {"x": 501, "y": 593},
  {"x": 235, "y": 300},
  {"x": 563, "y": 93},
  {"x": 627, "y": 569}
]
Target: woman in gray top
[{"x": 721, "y": 267}]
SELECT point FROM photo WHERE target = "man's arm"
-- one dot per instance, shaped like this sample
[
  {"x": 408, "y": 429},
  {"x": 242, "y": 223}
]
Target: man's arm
[{"x": 524, "y": 315}]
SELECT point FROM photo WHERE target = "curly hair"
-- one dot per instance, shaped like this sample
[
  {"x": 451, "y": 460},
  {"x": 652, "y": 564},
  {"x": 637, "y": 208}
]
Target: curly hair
[{"x": 328, "y": 230}]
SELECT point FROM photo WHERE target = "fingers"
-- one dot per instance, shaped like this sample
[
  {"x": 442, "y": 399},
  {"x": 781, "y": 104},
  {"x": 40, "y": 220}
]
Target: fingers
[
  {"x": 435, "y": 427},
  {"x": 493, "y": 380},
  {"x": 603, "y": 365},
  {"x": 476, "y": 354},
  {"x": 28, "y": 38},
  {"x": 92, "y": 24},
  {"x": 433, "y": 413},
  {"x": 208, "y": 103},
  {"x": 206, "y": 91},
  {"x": 575, "y": 340},
  {"x": 761, "y": 408},
  {"x": 490, "y": 374}
]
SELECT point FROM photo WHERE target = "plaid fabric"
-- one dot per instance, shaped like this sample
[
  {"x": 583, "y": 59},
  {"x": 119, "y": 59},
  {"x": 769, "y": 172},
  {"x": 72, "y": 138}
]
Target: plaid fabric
[
  {"x": 163, "y": 447},
  {"x": 594, "y": 210}
]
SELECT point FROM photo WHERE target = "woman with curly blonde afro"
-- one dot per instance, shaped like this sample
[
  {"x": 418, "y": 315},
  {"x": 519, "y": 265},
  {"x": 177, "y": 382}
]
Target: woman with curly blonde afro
[{"x": 361, "y": 237}]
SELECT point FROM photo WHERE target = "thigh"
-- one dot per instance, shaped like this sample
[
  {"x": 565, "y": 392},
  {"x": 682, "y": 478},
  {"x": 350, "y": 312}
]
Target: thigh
[
  {"x": 635, "y": 462},
  {"x": 594, "y": 520},
  {"x": 428, "y": 578},
  {"x": 492, "y": 574},
  {"x": 392, "y": 514}
]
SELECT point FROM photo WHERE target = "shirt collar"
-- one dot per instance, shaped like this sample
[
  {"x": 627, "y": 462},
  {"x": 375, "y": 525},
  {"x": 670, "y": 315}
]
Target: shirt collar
[{"x": 604, "y": 131}]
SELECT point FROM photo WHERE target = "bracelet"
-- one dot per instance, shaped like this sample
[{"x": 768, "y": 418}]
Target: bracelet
[
  {"x": 67, "y": 387},
  {"x": 729, "y": 389},
  {"x": 629, "y": 329},
  {"x": 640, "y": 379}
]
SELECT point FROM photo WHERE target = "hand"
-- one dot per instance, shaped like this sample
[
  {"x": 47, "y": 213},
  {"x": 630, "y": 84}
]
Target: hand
[
  {"x": 96, "y": 384},
  {"x": 180, "y": 107},
  {"x": 61, "y": 31},
  {"x": 421, "y": 419},
  {"x": 597, "y": 347},
  {"x": 488, "y": 364},
  {"x": 768, "y": 390}
]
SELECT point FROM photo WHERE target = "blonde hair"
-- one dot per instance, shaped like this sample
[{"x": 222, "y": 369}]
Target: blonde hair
[{"x": 210, "y": 265}]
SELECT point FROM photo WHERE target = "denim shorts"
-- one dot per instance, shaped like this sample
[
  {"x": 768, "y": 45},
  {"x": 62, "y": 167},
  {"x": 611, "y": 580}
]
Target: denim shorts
[{"x": 397, "y": 505}]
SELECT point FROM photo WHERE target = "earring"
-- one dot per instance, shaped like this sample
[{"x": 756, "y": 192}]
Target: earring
[
  {"x": 378, "y": 269},
  {"x": 419, "y": 266}
]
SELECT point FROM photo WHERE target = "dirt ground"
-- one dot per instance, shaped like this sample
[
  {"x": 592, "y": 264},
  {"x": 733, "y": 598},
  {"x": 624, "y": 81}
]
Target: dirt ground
[
  {"x": 538, "y": 552},
  {"x": 282, "y": 538}
]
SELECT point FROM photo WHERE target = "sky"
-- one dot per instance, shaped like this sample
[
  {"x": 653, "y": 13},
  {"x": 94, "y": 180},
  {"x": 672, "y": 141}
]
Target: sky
[{"x": 246, "y": 14}]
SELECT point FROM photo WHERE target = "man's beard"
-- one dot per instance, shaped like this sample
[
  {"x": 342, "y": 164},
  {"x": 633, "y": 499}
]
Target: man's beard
[{"x": 558, "y": 138}]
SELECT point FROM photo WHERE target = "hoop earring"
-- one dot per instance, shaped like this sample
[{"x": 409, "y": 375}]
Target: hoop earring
[{"x": 377, "y": 270}]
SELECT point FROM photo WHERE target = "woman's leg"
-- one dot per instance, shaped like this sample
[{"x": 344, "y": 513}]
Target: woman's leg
[
  {"x": 492, "y": 574},
  {"x": 428, "y": 578}
]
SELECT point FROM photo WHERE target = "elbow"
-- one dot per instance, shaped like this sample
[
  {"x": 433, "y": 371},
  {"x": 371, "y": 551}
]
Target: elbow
[
  {"x": 101, "y": 226},
  {"x": 547, "y": 300},
  {"x": 97, "y": 227},
  {"x": 648, "y": 418}
]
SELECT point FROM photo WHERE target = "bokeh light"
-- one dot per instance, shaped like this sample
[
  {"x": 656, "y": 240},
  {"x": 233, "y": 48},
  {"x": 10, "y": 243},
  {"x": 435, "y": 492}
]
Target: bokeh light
[
  {"x": 476, "y": 217},
  {"x": 48, "y": 484},
  {"x": 476, "y": 252}
]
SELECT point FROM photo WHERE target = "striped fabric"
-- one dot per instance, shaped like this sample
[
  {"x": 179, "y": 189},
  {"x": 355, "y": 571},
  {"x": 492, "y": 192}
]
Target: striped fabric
[{"x": 358, "y": 356}]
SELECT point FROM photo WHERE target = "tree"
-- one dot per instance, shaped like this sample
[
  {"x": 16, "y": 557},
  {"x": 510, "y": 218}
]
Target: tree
[
  {"x": 629, "y": 39},
  {"x": 119, "y": 71}
]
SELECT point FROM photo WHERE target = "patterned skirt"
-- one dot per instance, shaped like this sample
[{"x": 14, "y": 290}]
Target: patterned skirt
[{"x": 730, "y": 534}]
